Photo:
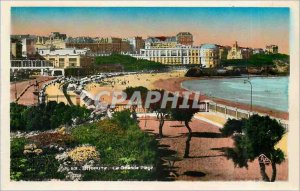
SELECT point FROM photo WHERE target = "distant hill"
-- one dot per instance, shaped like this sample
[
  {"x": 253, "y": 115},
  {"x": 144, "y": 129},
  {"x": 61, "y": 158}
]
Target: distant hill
[{"x": 258, "y": 64}]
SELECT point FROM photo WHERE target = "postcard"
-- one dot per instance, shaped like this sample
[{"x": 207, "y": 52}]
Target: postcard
[{"x": 149, "y": 95}]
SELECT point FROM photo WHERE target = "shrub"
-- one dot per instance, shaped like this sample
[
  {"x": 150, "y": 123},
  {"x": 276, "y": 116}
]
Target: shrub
[
  {"x": 119, "y": 142},
  {"x": 17, "y": 121},
  {"x": 30, "y": 162},
  {"x": 232, "y": 126},
  {"x": 17, "y": 147},
  {"x": 102, "y": 134},
  {"x": 123, "y": 119},
  {"x": 39, "y": 167},
  {"x": 45, "y": 116}
]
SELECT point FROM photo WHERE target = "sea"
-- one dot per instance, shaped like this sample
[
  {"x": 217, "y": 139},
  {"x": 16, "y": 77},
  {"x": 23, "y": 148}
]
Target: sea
[{"x": 268, "y": 92}]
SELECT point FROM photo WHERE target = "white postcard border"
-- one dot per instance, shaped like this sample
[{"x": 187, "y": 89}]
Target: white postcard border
[{"x": 293, "y": 139}]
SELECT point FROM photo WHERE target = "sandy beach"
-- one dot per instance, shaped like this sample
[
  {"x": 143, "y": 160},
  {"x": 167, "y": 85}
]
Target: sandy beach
[
  {"x": 121, "y": 82},
  {"x": 54, "y": 93},
  {"x": 114, "y": 84}
]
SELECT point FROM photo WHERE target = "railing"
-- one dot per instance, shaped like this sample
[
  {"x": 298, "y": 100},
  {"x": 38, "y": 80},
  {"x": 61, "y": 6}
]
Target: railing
[
  {"x": 236, "y": 113},
  {"x": 31, "y": 64},
  {"x": 57, "y": 97},
  {"x": 99, "y": 54},
  {"x": 138, "y": 109}
]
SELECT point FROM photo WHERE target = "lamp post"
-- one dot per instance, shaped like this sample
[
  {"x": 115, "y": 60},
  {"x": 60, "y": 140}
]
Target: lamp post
[
  {"x": 78, "y": 81},
  {"x": 16, "y": 94},
  {"x": 248, "y": 81}
]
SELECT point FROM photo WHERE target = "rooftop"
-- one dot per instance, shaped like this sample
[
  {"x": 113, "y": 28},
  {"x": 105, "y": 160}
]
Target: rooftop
[
  {"x": 208, "y": 46},
  {"x": 63, "y": 52},
  {"x": 161, "y": 39},
  {"x": 184, "y": 33}
]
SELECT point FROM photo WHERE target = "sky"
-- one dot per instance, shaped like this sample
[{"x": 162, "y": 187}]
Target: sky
[{"x": 251, "y": 27}]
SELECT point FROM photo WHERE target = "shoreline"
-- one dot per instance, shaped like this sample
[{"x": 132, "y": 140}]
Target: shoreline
[
  {"x": 171, "y": 81},
  {"x": 174, "y": 84}
]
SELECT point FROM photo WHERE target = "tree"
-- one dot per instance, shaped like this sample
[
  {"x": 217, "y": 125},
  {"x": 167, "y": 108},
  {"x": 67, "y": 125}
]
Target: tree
[
  {"x": 169, "y": 110},
  {"x": 177, "y": 114},
  {"x": 232, "y": 126},
  {"x": 130, "y": 91},
  {"x": 161, "y": 112},
  {"x": 258, "y": 135},
  {"x": 185, "y": 115}
]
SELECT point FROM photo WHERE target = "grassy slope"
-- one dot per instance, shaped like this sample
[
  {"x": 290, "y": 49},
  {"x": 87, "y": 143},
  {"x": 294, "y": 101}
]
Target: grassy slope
[{"x": 129, "y": 63}]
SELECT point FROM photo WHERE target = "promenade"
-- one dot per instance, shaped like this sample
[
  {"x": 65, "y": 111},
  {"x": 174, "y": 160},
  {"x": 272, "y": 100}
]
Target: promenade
[
  {"x": 28, "y": 98},
  {"x": 207, "y": 159}
]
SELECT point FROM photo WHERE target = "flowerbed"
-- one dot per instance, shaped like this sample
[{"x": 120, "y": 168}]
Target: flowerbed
[
  {"x": 52, "y": 139},
  {"x": 84, "y": 153}
]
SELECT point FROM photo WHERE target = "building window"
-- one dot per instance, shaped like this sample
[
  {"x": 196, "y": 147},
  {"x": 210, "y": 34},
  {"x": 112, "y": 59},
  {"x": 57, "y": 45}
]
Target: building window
[
  {"x": 72, "y": 62},
  {"x": 173, "y": 53},
  {"x": 52, "y": 60},
  {"x": 72, "y": 59},
  {"x": 61, "y": 62}
]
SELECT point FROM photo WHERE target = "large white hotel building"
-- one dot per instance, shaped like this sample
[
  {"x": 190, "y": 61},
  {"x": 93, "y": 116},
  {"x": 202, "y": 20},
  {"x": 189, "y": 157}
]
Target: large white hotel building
[{"x": 168, "y": 50}]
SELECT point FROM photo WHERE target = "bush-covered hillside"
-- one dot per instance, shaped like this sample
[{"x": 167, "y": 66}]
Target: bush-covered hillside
[
  {"x": 257, "y": 60},
  {"x": 129, "y": 63}
]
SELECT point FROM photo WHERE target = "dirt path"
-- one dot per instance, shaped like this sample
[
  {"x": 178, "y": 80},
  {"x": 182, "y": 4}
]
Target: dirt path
[{"x": 207, "y": 160}]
